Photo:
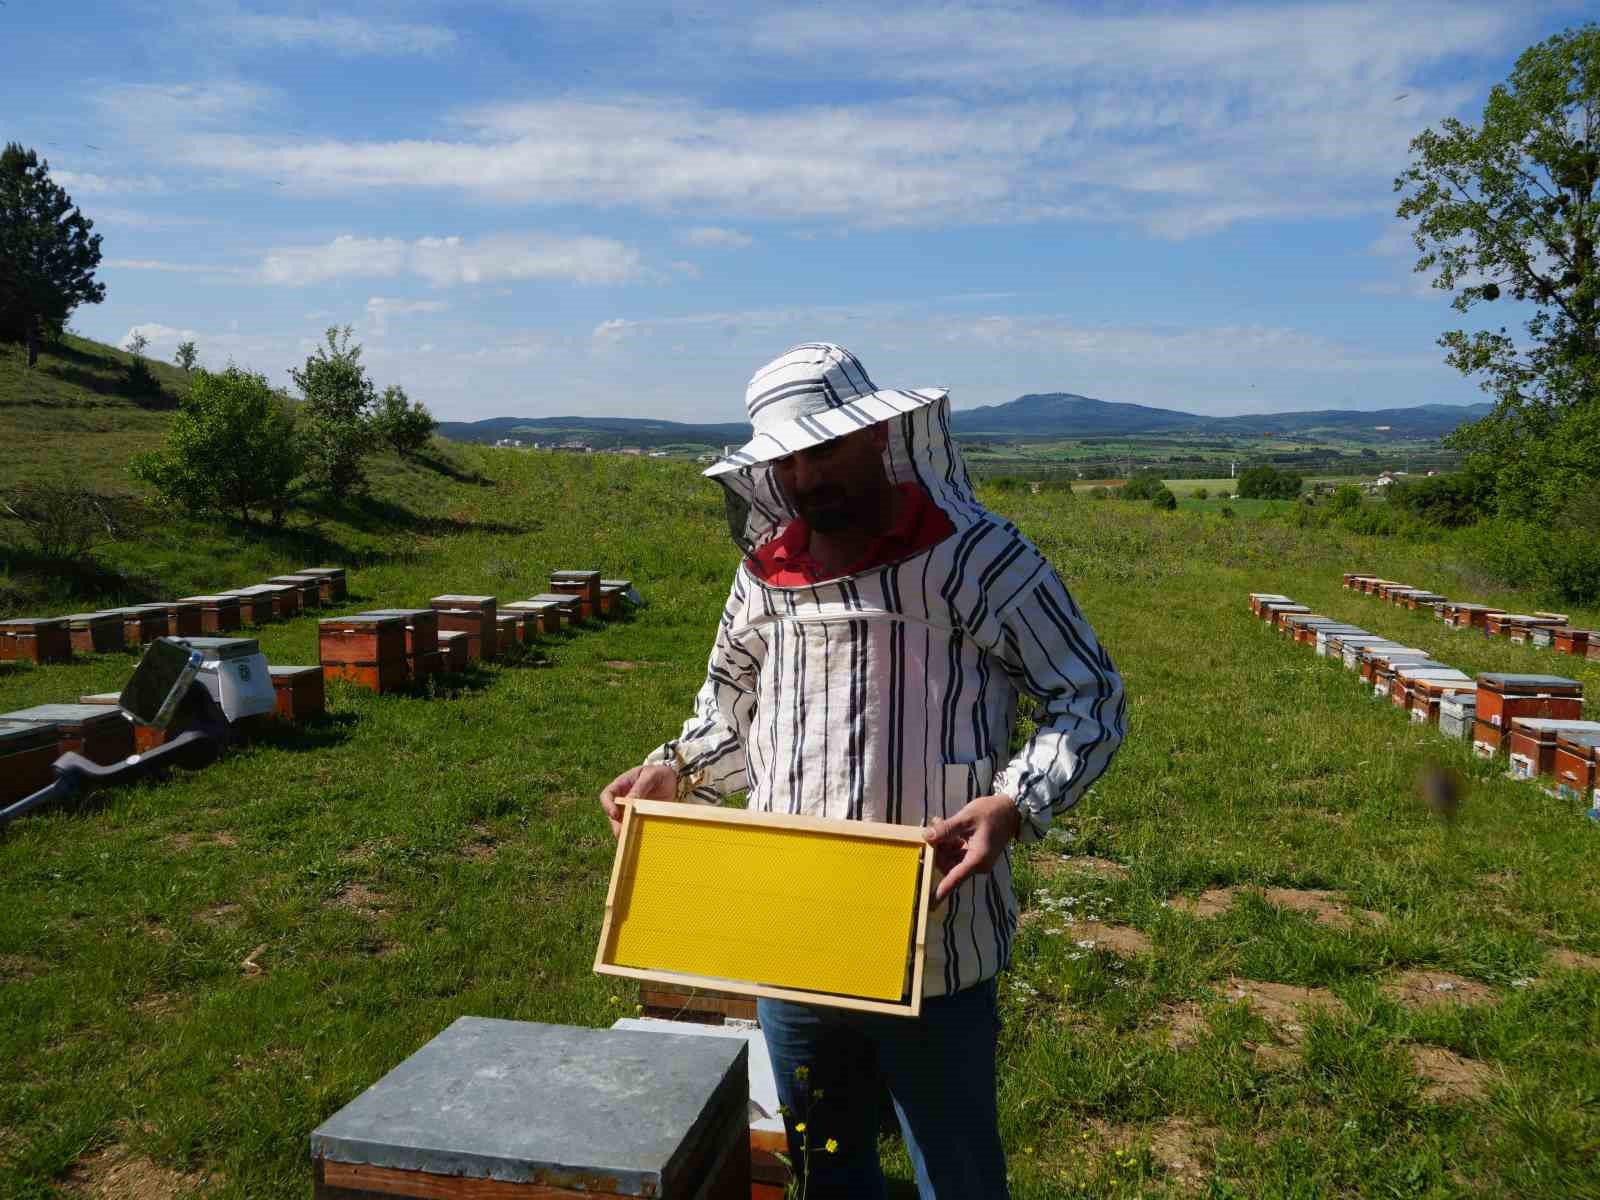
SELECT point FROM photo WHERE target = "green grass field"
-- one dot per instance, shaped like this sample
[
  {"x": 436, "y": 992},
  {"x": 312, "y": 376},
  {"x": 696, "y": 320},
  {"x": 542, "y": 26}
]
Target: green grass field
[{"x": 1253, "y": 963}]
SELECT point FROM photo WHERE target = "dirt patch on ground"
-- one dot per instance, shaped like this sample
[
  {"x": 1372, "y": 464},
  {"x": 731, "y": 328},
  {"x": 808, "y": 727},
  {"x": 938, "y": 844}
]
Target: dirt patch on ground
[
  {"x": 483, "y": 845},
  {"x": 1421, "y": 989},
  {"x": 18, "y": 968},
  {"x": 1182, "y": 1149},
  {"x": 158, "y": 1004},
  {"x": 116, "y": 1174},
  {"x": 366, "y": 851},
  {"x": 1573, "y": 960},
  {"x": 1332, "y": 909},
  {"x": 217, "y": 914},
  {"x": 1282, "y": 1006},
  {"x": 1122, "y": 940},
  {"x": 1207, "y": 904},
  {"x": 1186, "y": 1024},
  {"x": 361, "y": 900},
  {"x": 188, "y": 841},
  {"x": 1448, "y": 1077}
]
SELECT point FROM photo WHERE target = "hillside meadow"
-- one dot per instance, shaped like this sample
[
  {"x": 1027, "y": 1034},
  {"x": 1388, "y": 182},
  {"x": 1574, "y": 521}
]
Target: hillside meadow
[{"x": 1252, "y": 963}]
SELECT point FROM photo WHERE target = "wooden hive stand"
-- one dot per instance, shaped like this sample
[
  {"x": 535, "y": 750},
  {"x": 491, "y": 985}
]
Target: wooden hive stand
[
  {"x": 364, "y": 649},
  {"x": 474, "y": 616},
  {"x": 514, "y": 1110},
  {"x": 36, "y": 639}
]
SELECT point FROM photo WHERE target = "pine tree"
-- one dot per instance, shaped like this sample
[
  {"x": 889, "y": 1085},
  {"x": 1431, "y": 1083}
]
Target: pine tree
[{"x": 47, "y": 253}]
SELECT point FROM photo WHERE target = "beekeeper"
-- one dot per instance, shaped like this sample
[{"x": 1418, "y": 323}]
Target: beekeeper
[{"x": 867, "y": 667}]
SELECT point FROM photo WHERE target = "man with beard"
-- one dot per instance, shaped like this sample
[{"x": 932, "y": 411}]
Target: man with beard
[{"x": 867, "y": 667}]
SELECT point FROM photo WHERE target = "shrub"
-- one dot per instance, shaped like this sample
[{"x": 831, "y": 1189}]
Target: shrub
[
  {"x": 1268, "y": 483},
  {"x": 1164, "y": 500},
  {"x": 1201, "y": 493},
  {"x": 67, "y": 522},
  {"x": 1008, "y": 483},
  {"x": 1227, "y": 511},
  {"x": 1451, "y": 500},
  {"x": 1099, "y": 492},
  {"x": 1346, "y": 498},
  {"x": 233, "y": 447},
  {"x": 1142, "y": 485},
  {"x": 406, "y": 425}
]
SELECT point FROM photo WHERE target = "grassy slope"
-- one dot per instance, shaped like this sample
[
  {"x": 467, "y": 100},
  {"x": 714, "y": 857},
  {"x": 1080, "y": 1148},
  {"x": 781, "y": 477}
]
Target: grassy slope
[{"x": 418, "y": 858}]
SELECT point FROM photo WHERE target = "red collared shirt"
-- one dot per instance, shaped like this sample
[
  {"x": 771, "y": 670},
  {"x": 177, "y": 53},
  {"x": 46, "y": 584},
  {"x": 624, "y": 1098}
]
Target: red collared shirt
[{"x": 786, "y": 560}]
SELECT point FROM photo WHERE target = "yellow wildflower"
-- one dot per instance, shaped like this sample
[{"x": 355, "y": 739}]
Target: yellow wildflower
[
  {"x": 799, "y": 1126},
  {"x": 831, "y": 1145}
]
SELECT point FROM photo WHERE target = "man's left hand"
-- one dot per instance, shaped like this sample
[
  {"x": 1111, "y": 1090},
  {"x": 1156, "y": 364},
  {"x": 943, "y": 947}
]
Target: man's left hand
[{"x": 972, "y": 841}]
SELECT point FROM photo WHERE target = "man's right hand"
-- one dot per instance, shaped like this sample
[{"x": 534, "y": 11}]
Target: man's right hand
[{"x": 654, "y": 782}]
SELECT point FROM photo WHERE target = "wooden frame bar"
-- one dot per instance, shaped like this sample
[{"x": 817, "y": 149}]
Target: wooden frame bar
[{"x": 627, "y": 851}]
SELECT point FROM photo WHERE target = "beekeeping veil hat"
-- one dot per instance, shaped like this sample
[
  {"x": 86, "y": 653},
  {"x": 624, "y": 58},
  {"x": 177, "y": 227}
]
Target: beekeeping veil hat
[{"x": 818, "y": 391}]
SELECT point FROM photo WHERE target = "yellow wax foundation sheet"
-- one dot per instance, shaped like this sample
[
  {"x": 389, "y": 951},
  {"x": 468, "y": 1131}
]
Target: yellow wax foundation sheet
[{"x": 769, "y": 904}]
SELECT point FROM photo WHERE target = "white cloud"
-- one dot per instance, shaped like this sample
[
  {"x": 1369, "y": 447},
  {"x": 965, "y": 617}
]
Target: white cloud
[
  {"x": 150, "y": 110},
  {"x": 87, "y": 183},
  {"x": 344, "y": 35},
  {"x": 448, "y": 261},
  {"x": 381, "y": 308},
  {"x": 172, "y": 268},
  {"x": 716, "y": 237},
  {"x": 157, "y": 335}
]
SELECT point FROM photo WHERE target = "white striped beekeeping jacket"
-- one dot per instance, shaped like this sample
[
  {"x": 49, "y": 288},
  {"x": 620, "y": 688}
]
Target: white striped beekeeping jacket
[{"x": 891, "y": 695}]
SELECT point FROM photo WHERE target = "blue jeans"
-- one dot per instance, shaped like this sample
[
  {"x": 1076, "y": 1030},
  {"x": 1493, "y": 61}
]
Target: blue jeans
[{"x": 939, "y": 1069}]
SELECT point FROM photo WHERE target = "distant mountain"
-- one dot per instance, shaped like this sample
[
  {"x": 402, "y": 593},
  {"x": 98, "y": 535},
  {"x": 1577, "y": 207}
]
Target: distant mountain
[{"x": 1036, "y": 415}]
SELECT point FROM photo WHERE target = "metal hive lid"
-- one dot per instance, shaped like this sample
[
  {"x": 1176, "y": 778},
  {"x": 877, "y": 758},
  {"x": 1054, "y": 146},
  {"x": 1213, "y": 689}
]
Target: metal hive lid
[
  {"x": 221, "y": 648},
  {"x": 1501, "y": 680}
]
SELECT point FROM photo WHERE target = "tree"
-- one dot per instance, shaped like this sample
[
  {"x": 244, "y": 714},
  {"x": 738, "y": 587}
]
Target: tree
[
  {"x": 1508, "y": 210},
  {"x": 1268, "y": 483},
  {"x": 1143, "y": 484},
  {"x": 186, "y": 356},
  {"x": 337, "y": 412},
  {"x": 1163, "y": 500},
  {"x": 232, "y": 447},
  {"x": 47, "y": 253},
  {"x": 406, "y": 425}
]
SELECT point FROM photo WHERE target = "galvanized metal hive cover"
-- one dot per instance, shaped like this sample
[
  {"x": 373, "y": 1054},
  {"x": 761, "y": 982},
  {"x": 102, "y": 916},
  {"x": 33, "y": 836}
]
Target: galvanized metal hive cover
[
  {"x": 64, "y": 714},
  {"x": 221, "y": 648},
  {"x": 555, "y": 1105},
  {"x": 1499, "y": 680},
  {"x": 25, "y": 735},
  {"x": 1553, "y": 725}
]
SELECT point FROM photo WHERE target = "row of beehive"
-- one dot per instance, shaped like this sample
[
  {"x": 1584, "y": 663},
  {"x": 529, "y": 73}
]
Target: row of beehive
[
  {"x": 31, "y": 739},
  {"x": 1537, "y": 719},
  {"x": 57, "y": 639},
  {"x": 389, "y": 649},
  {"x": 1547, "y": 630}
]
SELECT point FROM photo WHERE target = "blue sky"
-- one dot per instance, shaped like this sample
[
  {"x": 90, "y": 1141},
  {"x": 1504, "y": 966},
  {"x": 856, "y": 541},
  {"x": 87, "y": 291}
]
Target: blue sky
[{"x": 623, "y": 208}]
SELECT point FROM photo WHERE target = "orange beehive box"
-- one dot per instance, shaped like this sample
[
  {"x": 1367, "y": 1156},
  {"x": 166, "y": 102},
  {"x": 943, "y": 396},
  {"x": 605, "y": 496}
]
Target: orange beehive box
[
  {"x": 218, "y": 614},
  {"x": 1502, "y": 697},
  {"x": 430, "y": 662},
  {"x": 536, "y": 617},
  {"x": 453, "y": 646},
  {"x": 330, "y": 582},
  {"x": 1257, "y": 599},
  {"x": 143, "y": 624},
  {"x": 1577, "y": 768},
  {"x": 299, "y": 692},
  {"x": 27, "y": 750},
  {"x": 37, "y": 639},
  {"x": 95, "y": 632},
  {"x": 510, "y": 630},
  {"x": 472, "y": 615},
  {"x": 1273, "y": 611},
  {"x": 584, "y": 584},
  {"x": 257, "y": 605},
  {"x": 1519, "y": 627},
  {"x": 422, "y": 627},
  {"x": 308, "y": 589},
  {"x": 1533, "y": 743},
  {"x": 1428, "y": 691},
  {"x": 101, "y": 734},
  {"x": 1571, "y": 641},
  {"x": 367, "y": 650}
]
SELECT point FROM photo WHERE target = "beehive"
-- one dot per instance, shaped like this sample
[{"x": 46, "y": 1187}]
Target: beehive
[
  {"x": 1349, "y": 578},
  {"x": 1380, "y": 659},
  {"x": 100, "y": 734},
  {"x": 1273, "y": 611},
  {"x": 1257, "y": 599},
  {"x": 1475, "y": 616},
  {"x": 365, "y": 649},
  {"x": 331, "y": 584},
  {"x": 422, "y": 639},
  {"x": 299, "y": 694},
  {"x": 453, "y": 646},
  {"x": 868, "y": 882},
  {"x": 94, "y": 632},
  {"x": 257, "y": 604},
  {"x": 1577, "y": 769},
  {"x": 507, "y": 1110},
  {"x": 36, "y": 639},
  {"x": 571, "y": 606},
  {"x": 308, "y": 589},
  {"x": 1428, "y": 688},
  {"x": 1328, "y": 636},
  {"x": 583, "y": 584},
  {"x": 1568, "y": 640},
  {"x": 1405, "y": 674},
  {"x": 1458, "y": 714},
  {"x": 1423, "y": 599},
  {"x": 1502, "y": 697},
  {"x": 535, "y": 617},
  {"x": 1352, "y": 649},
  {"x": 474, "y": 616},
  {"x": 510, "y": 631},
  {"x": 1519, "y": 627},
  {"x": 1533, "y": 743},
  {"x": 27, "y": 750},
  {"x": 218, "y": 614}
]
